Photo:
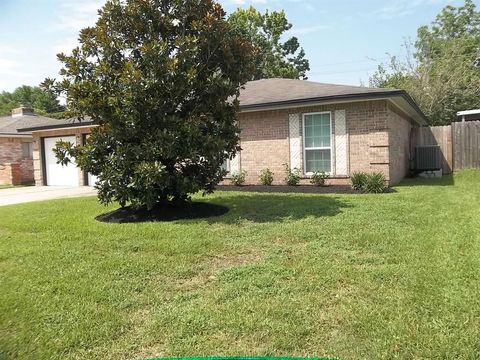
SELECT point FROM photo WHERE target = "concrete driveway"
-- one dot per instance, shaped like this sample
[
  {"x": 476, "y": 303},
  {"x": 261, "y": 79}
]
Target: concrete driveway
[{"x": 37, "y": 193}]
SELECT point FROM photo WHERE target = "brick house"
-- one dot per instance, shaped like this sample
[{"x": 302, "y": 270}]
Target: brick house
[
  {"x": 16, "y": 148},
  {"x": 310, "y": 126}
]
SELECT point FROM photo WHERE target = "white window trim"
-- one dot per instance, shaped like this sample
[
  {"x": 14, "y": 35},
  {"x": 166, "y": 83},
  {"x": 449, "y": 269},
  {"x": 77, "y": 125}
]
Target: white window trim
[
  {"x": 316, "y": 148},
  {"x": 228, "y": 167}
]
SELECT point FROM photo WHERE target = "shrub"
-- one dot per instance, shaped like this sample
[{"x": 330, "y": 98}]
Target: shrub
[
  {"x": 239, "y": 178},
  {"x": 318, "y": 178},
  {"x": 293, "y": 176},
  {"x": 369, "y": 183},
  {"x": 359, "y": 179},
  {"x": 376, "y": 183},
  {"x": 266, "y": 177}
]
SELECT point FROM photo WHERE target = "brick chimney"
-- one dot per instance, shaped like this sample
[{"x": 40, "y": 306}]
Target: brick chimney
[{"x": 22, "y": 111}]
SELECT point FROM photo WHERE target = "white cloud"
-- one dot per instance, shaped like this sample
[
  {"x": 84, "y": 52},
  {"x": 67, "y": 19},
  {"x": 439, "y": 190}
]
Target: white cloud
[
  {"x": 7, "y": 66},
  {"x": 401, "y": 8},
  {"x": 308, "y": 29},
  {"x": 65, "y": 46},
  {"x": 6, "y": 49},
  {"x": 272, "y": 3},
  {"x": 74, "y": 15},
  {"x": 12, "y": 68},
  {"x": 243, "y": 2}
]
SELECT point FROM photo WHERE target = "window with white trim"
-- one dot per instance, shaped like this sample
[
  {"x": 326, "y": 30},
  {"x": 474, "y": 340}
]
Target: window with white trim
[
  {"x": 317, "y": 142},
  {"x": 226, "y": 165}
]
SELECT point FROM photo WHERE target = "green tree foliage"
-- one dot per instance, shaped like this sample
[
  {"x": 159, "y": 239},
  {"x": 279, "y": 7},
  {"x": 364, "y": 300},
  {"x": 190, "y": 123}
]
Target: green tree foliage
[
  {"x": 161, "y": 78},
  {"x": 42, "y": 101},
  {"x": 442, "y": 72},
  {"x": 275, "y": 59}
]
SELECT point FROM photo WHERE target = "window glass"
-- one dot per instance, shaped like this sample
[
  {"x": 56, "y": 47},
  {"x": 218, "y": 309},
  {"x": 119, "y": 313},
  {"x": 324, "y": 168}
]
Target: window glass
[
  {"x": 226, "y": 165},
  {"x": 27, "y": 150},
  {"x": 317, "y": 130},
  {"x": 318, "y": 160}
]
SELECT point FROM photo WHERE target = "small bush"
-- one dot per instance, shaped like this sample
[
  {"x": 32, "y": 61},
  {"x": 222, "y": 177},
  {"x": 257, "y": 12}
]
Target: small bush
[
  {"x": 293, "y": 176},
  {"x": 376, "y": 183},
  {"x": 359, "y": 180},
  {"x": 239, "y": 178},
  {"x": 318, "y": 178},
  {"x": 369, "y": 183},
  {"x": 266, "y": 177}
]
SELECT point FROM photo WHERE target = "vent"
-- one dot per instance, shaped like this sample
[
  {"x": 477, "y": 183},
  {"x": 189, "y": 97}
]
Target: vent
[{"x": 428, "y": 158}]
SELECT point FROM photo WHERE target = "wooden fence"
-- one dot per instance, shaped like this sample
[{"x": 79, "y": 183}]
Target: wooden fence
[
  {"x": 466, "y": 149},
  {"x": 459, "y": 144}
]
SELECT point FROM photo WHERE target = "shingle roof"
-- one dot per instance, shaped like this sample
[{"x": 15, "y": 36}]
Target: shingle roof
[
  {"x": 11, "y": 125},
  {"x": 271, "y": 91},
  {"x": 266, "y": 93}
]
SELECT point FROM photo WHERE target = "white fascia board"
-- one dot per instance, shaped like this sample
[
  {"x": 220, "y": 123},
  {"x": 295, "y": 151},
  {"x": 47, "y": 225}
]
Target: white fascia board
[{"x": 468, "y": 112}]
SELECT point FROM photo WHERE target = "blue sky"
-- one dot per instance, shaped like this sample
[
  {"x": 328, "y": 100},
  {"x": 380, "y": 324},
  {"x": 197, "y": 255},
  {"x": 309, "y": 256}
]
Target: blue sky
[{"x": 343, "y": 39}]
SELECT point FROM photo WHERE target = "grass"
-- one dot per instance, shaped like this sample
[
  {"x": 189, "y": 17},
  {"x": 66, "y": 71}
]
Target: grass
[
  {"x": 393, "y": 276},
  {"x": 9, "y": 186}
]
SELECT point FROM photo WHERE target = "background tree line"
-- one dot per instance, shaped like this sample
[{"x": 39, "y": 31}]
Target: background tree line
[
  {"x": 43, "y": 102},
  {"x": 274, "y": 58},
  {"x": 441, "y": 69}
]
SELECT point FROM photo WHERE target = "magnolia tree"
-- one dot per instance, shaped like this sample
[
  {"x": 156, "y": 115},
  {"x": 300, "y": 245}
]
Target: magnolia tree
[{"x": 161, "y": 78}]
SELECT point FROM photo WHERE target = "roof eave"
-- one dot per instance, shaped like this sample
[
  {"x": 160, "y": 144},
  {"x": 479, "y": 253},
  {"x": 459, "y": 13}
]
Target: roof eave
[
  {"x": 15, "y": 135},
  {"x": 418, "y": 115},
  {"x": 57, "y": 127}
]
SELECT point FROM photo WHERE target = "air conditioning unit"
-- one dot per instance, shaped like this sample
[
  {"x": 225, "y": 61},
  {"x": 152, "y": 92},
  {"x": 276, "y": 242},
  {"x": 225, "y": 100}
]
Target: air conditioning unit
[{"x": 428, "y": 158}]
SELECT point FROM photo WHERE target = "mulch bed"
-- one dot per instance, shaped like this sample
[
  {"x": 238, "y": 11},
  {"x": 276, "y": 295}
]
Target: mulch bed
[
  {"x": 305, "y": 189},
  {"x": 164, "y": 212}
]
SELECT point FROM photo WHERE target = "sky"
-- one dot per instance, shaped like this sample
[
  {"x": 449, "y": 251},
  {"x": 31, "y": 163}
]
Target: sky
[{"x": 344, "y": 40}]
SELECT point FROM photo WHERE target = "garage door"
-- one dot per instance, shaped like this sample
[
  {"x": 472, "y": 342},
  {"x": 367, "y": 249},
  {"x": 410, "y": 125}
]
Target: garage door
[
  {"x": 91, "y": 179},
  {"x": 58, "y": 174}
]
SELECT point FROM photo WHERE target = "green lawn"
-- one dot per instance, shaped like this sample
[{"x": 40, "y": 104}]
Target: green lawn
[
  {"x": 350, "y": 276},
  {"x": 8, "y": 186}
]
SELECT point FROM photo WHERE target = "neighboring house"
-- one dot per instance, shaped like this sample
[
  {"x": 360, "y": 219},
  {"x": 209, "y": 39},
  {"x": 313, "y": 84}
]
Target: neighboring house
[
  {"x": 16, "y": 148},
  {"x": 310, "y": 126},
  {"x": 469, "y": 115}
]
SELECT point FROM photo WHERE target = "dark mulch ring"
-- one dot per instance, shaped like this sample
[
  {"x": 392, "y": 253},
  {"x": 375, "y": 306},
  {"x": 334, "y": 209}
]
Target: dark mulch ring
[
  {"x": 306, "y": 189},
  {"x": 164, "y": 212}
]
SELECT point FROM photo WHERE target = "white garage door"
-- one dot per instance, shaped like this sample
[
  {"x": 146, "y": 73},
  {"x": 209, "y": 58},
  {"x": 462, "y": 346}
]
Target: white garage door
[
  {"x": 58, "y": 174},
  {"x": 92, "y": 179}
]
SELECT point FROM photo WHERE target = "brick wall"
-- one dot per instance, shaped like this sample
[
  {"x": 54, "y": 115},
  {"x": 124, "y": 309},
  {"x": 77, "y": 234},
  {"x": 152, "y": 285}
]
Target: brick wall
[
  {"x": 14, "y": 168},
  {"x": 378, "y": 140},
  {"x": 265, "y": 139},
  {"x": 265, "y": 144},
  {"x": 400, "y": 129},
  {"x": 368, "y": 137}
]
